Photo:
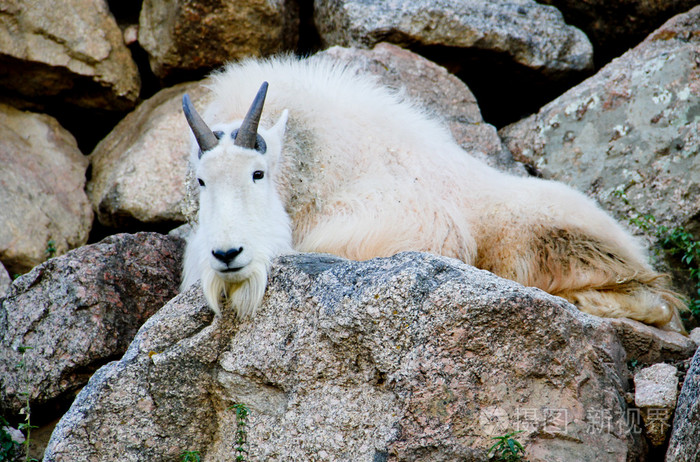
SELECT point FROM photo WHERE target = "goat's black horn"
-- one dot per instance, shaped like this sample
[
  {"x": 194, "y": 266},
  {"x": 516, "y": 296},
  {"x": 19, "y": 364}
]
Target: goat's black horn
[
  {"x": 248, "y": 132},
  {"x": 205, "y": 137}
]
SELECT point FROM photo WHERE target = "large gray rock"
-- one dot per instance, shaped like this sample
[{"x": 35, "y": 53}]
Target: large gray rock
[
  {"x": 80, "y": 310},
  {"x": 684, "y": 445},
  {"x": 633, "y": 128},
  {"x": 413, "y": 357},
  {"x": 43, "y": 207},
  {"x": 184, "y": 35},
  {"x": 74, "y": 52},
  {"x": 439, "y": 92},
  {"x": 138, "y": 170},
  {"x": 531, "y": 34}
]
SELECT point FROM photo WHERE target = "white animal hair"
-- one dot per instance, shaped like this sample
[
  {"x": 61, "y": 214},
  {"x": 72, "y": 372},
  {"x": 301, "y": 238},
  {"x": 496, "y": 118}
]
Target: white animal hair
[{"x": 362, "y": 173}]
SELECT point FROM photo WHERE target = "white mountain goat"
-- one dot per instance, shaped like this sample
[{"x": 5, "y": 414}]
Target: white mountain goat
[{"x": 338, "y": 164}]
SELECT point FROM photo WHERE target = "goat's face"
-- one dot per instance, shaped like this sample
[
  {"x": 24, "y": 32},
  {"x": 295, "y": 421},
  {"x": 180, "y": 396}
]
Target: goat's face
[
  {"x": 241, "y": 216},
  {"x": 242, "y": 220}
]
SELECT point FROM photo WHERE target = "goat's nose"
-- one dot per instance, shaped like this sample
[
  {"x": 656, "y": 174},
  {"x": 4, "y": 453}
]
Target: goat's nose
[{"x": 226, "y": 256}]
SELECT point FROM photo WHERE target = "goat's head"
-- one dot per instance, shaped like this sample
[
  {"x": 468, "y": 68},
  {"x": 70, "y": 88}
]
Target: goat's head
[{"x": 242, "y": 220}]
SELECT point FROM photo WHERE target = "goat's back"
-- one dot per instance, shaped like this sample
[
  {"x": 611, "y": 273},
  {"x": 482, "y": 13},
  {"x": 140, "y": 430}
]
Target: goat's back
[{"x": 359, "y": 155}]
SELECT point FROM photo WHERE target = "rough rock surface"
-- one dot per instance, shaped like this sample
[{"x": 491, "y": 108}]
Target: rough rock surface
[
  {"x": 43, "y": 206},
  {"x": 695, "y": 336},
  {"x": 5, "y": 280},
  {"x": 183, "y": 35},
  {"x": 655, "y": 392},
  {"x": 413, "y": 357},
  {"x": 684, "y": 445},
  {"x": 633, "y": 128},
  {"x": 75, "y": 53},
  {"x": 531, "y": 34},
  {"x": 441, "y": 93},
  {"x": 650, "y": 345},
  {"x": 79, "y": 311},
  {"x": 138, "y": 170}
]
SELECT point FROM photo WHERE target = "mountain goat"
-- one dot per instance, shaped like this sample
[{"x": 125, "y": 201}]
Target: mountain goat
[{"x": 340, "y": 165}]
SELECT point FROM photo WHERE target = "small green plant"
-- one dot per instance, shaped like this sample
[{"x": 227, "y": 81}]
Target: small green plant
[
  {"x": 8, "y": 446},
  {"x": 675, "y": 241},
  {"x": 50, "y": 249},
  {"x": 26, "y": 426},
  {"x": 241, "y": 442},
  {"x": 507, "y": 448},
  {"x": 190, "y": 456},
  {"x": 680, "y": 243}
]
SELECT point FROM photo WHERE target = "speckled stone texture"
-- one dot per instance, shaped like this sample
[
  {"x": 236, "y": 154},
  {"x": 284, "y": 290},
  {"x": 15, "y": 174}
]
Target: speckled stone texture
[
  {"x": 5, "y": 280},
  {"x": 413, "y": 357},
  {"x": 632, "y": 128},
  {"x": 684, "y": 445},
  {"x": 79, "y": 311}
]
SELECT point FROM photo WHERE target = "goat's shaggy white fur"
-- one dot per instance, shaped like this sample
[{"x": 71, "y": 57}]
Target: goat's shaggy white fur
[{"x": 359, "y": 172}]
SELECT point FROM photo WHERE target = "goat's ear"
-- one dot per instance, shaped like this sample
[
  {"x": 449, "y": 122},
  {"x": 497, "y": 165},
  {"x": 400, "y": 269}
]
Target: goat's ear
[
  {"x": 275, "y": 137},
  {"x": 281, "y": 125}
]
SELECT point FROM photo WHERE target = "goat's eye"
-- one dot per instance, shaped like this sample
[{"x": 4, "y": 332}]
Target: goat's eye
[
  {"x": 218, "y": 134},
  {"x": 258, "y": 175},
  {"x": 201, "y": 183}
]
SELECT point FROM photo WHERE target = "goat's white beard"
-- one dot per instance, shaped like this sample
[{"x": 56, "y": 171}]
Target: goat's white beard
[{"x": 242, "y": 296}]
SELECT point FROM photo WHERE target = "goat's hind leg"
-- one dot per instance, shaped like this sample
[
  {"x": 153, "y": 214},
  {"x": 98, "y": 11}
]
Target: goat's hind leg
[
  {"x": 604, "y": 279},
  {"x": 638, "y": 301}
]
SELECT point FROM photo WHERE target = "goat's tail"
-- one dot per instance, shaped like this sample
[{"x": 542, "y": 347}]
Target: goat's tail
[{"x": 603, "y": 278}]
